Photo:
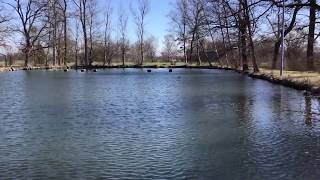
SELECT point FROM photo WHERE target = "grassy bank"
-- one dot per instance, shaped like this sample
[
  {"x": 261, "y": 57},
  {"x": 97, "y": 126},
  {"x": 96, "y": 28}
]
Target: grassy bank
[{"x": 309, "y": 81}]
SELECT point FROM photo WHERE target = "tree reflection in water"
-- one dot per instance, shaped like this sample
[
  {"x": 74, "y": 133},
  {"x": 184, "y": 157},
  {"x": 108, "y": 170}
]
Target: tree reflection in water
[{"x": 308, "y": 110}]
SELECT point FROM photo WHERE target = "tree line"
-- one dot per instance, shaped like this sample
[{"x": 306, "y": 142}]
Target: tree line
[
  {"x": 241, "y": 34},
  {"x": 247, "y": 33},
  {"x": 60, "y": 32}
]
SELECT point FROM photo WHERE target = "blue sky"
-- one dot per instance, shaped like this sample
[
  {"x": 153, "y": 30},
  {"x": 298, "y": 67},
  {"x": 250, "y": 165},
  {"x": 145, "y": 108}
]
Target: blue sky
[{"x": 157, "y": 22}]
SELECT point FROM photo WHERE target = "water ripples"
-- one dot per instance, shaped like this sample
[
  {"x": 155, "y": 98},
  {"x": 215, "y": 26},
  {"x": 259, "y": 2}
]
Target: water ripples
[{"x": 189, "y": 124}]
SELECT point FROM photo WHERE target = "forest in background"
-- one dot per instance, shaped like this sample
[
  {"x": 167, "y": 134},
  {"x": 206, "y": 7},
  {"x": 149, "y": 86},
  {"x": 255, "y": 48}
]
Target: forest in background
[{"x": 242, "y": 34}]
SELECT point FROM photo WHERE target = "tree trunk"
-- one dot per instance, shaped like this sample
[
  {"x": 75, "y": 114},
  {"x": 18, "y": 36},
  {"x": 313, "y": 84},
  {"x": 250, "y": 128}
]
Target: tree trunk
[
  {"x": 141, "y": 51},
  {"x": 91, "y": 42},
  {"x": 213, "y": 41},
  {"x": 65, "y": 43},
  {"x": 248, "y": 23},
  {"x": 198, "y": 52},
  {"x": 278, "y": 41},
  {"x": 5, "y": 61},
  {"x": 90, "y": 52},
  {"x": 223, "y": 40},
  {"x": 230, "y": 48},
  {"x": 85, "y": 47},
  {"x": 83, "y": 14},
  {"x": 76, "y": 63},
  {"x": 205, "y": 53},
  {"x": 65, "y": 34},
  {"x": 26, "y": 61},
  {"x": 10, "y": 60},
  {"x": 312, "y": 23},
  {"x": 191, "y": 47},
  {"x": 276, "y": 50},
  {"x": 104, "y": 56},
  {"x": 243, "y": 45},
  {"x": 123, "y": 57},
  {"x": 184, "y": 45},
  {"x": 105, "y": 47},
  {"x": 54, "y": 39},
  {"x": 59, "y": 49}
]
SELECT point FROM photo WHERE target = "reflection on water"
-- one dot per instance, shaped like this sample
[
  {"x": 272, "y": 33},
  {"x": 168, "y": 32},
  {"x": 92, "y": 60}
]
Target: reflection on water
[
  {"x": 129, "y": 124},
  {"x": 308, "y": 110}
]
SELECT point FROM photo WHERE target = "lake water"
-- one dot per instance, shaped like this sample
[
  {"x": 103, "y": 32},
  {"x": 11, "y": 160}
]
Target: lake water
[{"x": 130, "y": 124}]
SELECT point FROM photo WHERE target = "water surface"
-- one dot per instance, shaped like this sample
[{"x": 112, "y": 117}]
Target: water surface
[{"x": 130, "y": 124}]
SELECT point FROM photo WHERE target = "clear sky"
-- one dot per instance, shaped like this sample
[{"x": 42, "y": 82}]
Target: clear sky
[{"x": 157, "y": 22}]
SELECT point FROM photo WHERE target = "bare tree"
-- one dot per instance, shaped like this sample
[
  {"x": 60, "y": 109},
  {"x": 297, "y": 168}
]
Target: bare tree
[
  {"x": 107, "y": 56},
  {"x": 278, "y": 36},
  {"x": 123, "y": 22},
  {"x": 31, "y": 26},
  {"x": 77, "y": 43},
  {"x": 211, "y": 30},
  {"x": 178, "y": 18},
  {"x": 195, "y": 22},
  {"x": 63, "y": 5},
  {"x": 247, "y": 13},
  {"x": 140, "y": 21},
  {"x": 4, "y": 26},
  {"x": 91, "y": 24},
  {"x": 52, "y": 16},
  {"x": 170, "y": 48},
  {"x": 83, "y": 15},
  {"x": 151, "y": 48},
  {"x": 242, "y": 13}
]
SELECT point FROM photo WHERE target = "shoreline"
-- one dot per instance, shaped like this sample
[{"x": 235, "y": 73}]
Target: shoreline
[
  {"x": 311, "y": 89},
  {"x": 305, "y": 84}
]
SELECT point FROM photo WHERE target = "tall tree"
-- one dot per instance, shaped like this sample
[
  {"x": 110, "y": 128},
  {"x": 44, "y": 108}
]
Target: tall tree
[
  {"x": 64, "y": 7},
  {"x": 311, "y": 34},
  {"x": 178, "y": 18},
  {"x": 247, "y": 12},
  {"x": 107, "y": 56},
  {"x": 151, "y": 48},
  {"x": 278, "y": 34},
  {"x": 31, "y": 24},
  {"x": 91, "y": 24},
  {"x": 123, "y": 22},
  {"x": 170, "y": 50},
  {"x": 82, "y": 6},
  {"x": 139, "y": 14},
  {"x": 195, "y": 23},
  {"x": 77, "y": 43}
]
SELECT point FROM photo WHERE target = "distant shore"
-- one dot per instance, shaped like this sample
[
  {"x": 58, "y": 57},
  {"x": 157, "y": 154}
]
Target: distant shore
[{"x": 308, "y": 81}]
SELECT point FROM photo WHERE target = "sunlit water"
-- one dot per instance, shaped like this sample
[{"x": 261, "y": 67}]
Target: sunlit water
[{"x": 130, "y": 124}]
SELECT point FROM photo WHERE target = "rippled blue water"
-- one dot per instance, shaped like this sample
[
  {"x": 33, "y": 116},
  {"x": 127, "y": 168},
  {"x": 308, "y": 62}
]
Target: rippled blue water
[{"x": 130, "y": 124}]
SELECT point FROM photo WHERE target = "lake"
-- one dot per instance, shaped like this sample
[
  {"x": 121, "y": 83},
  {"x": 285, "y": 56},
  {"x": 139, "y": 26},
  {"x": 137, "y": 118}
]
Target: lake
[{"x": 131, "y": 124}]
